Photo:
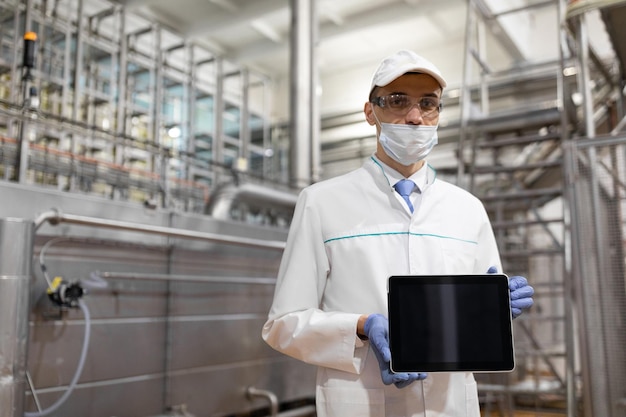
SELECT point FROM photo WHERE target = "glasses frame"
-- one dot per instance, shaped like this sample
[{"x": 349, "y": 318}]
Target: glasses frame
[{"x": 380, "y": 102}]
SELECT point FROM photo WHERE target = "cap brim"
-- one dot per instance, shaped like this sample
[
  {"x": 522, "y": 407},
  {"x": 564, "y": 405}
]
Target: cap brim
[{"x": 405, "y": 69}]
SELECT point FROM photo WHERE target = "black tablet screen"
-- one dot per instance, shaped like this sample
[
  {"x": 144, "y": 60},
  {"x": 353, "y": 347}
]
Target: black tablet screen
[{"x": 450, "y": 323}]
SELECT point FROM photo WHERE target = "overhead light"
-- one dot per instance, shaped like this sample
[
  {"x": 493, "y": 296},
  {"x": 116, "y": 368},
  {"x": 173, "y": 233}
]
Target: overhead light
[
  {"x": 174, "y": 132},
  {"x": 577, "y": 98}
]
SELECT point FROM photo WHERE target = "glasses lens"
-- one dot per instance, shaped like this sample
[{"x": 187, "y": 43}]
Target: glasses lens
[{"x": 401, "y": 104}]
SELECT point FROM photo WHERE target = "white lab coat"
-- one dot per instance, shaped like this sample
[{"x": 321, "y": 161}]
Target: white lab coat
[{"x": 348, "y": 235}]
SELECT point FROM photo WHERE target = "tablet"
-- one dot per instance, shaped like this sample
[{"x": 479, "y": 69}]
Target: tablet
[{"x": 447, "y": 323}]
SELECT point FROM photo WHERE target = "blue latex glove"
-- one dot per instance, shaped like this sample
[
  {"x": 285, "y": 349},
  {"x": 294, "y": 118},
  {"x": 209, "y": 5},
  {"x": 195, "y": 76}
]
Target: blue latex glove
[
  {"x": 377, "y": 331},
  {"x": 521, "y": 295},
  {"x": 520, "y": 292}
]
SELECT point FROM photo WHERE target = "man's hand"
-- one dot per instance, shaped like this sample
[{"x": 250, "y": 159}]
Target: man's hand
[
  {"x": 377, "y": 331},
  {"x": 521, "y": 295},
  {"x": 519, "y": 291}
]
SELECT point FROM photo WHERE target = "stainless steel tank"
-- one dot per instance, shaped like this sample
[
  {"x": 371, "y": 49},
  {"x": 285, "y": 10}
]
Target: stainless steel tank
[{"x": 16, "y": 243}]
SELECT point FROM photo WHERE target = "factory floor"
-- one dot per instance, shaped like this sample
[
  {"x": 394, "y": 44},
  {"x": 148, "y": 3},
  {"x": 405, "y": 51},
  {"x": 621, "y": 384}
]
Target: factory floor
[{"x": 518, "y": 413}]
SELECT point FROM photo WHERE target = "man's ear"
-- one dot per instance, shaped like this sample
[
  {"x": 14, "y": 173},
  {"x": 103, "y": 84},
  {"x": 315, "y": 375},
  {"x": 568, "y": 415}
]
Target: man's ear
[{"x": 368, "y": 109}]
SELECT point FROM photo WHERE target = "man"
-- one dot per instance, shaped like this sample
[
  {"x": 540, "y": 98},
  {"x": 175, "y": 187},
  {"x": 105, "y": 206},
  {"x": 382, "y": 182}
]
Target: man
[{"x": 350, "y": 233}]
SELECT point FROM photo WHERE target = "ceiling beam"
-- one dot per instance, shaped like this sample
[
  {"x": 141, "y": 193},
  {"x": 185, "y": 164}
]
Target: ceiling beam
[{"x": 253, "y": 10}]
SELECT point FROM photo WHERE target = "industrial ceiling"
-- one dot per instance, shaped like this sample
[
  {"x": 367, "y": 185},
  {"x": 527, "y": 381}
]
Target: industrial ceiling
[{"x": 351, "y": 32}]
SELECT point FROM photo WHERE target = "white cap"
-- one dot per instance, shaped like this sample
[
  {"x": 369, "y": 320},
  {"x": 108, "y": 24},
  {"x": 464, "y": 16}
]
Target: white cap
[{"x": 399, "y": 64}]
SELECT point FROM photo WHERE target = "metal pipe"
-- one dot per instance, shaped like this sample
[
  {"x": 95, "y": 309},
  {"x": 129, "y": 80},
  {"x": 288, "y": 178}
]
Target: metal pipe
[
  {"x": 185, "y": 278},
  {"x": 584, "y": 77},
  {"x": 21, "y": 160},
  {"x": 55, "y": 217},
  {"x": 600, "y": 363},
  {"x": 16, "y": 248},
  {"x": 78, "y": 61},
  {"x": 78, "y": 88},
  {"x": 315, "y": 85},
  {"x": 218, "y": 119},
  {"x": 305, "y": 411},
  {"x": 574, "y": 267},
  {"x": 122, "y": 100},
  {"x": 226, "y": 196},
  {"x": 301, "y": 93},
  {"x": 466, "y": 96},
  {"x": 252, "y": 393},
  {"x": 268, "y": 151},
  {"x": 160, "y": 161},
  {"x": 190, "y": 98},
  {"x": 244, "y": 118}
]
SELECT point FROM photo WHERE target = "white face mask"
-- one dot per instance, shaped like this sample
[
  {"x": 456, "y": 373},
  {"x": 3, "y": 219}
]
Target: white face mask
[{"x": 407, "y": 144}]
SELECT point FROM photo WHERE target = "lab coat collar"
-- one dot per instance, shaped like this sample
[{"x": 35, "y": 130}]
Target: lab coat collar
[{"x": 422, "y": 178}]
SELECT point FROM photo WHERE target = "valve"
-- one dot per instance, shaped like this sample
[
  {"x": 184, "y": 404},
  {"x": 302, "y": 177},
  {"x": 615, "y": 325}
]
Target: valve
[
  {"x": 29, "y": 50},
  {"x": 65, "y": 294}
]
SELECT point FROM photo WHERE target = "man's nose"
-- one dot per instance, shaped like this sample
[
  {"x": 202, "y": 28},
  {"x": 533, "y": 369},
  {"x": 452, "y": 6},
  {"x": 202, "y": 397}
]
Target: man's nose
[{"x": 414, "y": 115}]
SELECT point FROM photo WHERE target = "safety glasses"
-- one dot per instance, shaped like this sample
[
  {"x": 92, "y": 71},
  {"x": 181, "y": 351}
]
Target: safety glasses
[{"x": 401, "y": 104}]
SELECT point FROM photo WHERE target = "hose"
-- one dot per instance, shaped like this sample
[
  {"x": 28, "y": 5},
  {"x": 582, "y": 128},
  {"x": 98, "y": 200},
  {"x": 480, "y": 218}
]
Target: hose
[
  {"x": 95, "y": 281},
  {"x": 79, "y": 369},
  {"x": 42, "y": 264}
]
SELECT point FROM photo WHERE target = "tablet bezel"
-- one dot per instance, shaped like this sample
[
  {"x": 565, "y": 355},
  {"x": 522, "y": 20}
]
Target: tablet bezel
[{"x": 497, "y": 282}]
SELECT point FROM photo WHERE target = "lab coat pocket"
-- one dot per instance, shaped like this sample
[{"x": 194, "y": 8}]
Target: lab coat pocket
[
  {"x": 458, "y": 256},
  {"x": 472, "y": 408},
  {"x": 350, "y": 402}
]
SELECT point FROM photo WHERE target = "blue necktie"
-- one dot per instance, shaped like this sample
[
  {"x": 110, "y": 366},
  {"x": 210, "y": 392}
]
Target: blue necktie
[{"x": 405, "y": 188}]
